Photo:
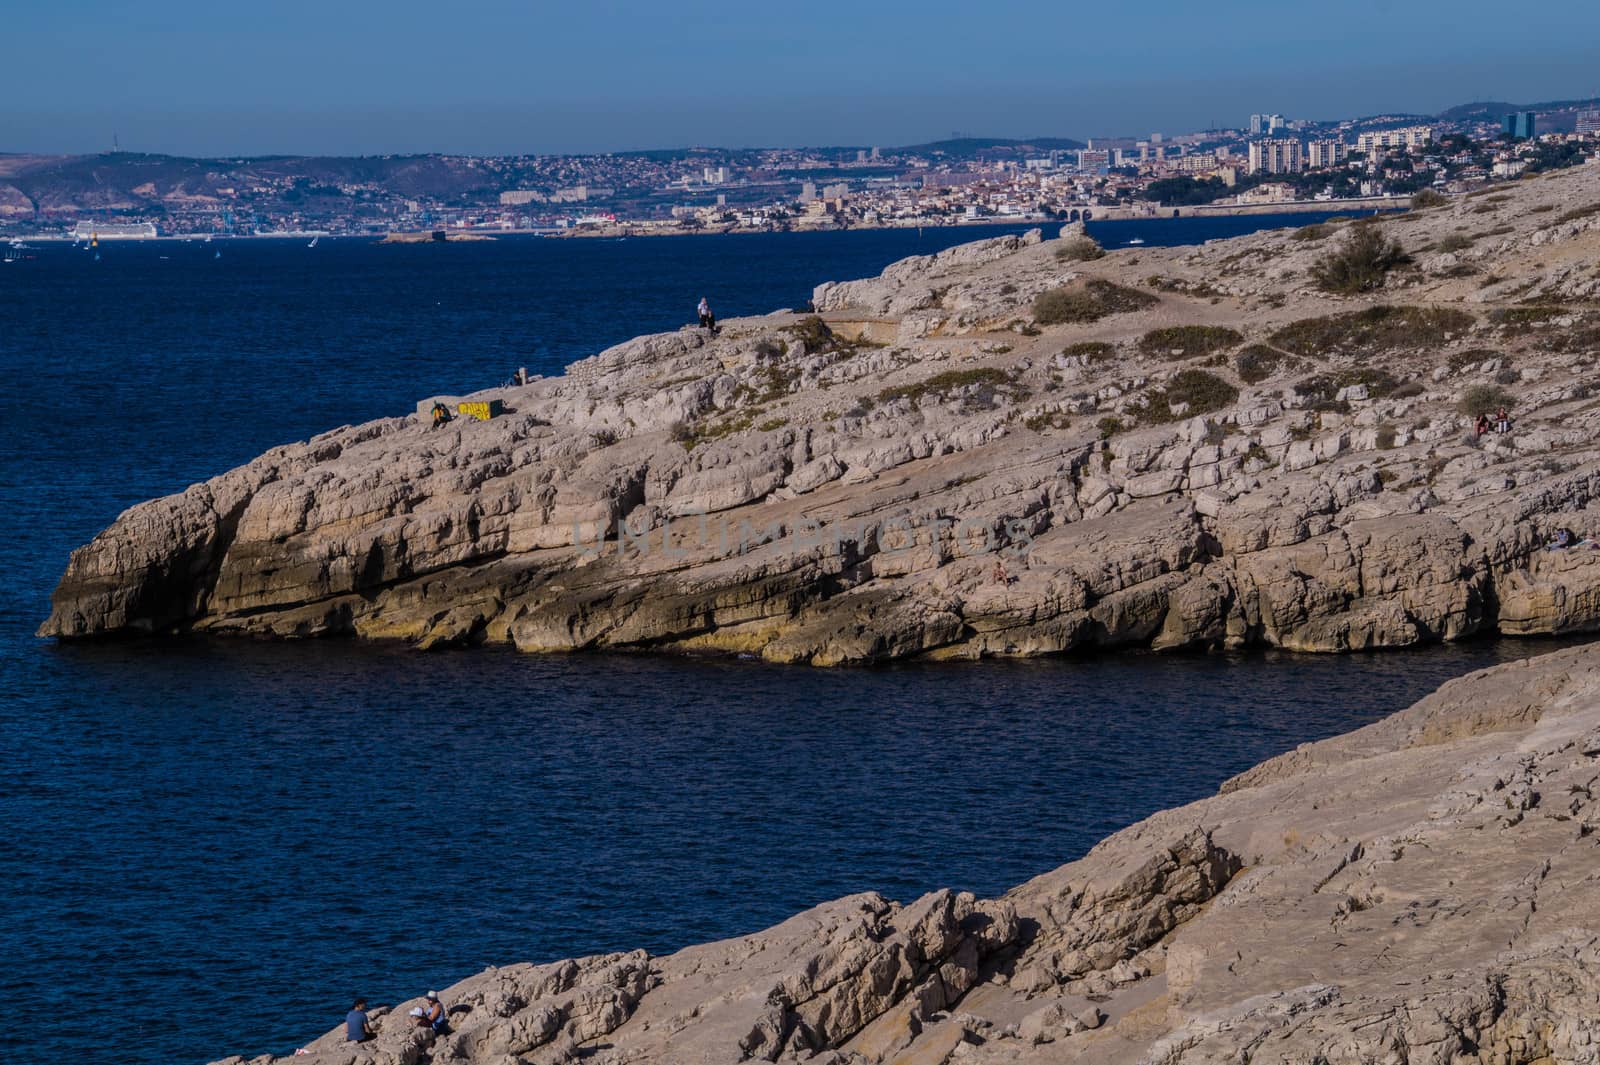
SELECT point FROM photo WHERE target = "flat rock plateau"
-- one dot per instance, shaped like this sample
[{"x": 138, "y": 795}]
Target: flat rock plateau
[
  {"x": 1171, "y": 448},
  {"x": 1423, "y": 891}
]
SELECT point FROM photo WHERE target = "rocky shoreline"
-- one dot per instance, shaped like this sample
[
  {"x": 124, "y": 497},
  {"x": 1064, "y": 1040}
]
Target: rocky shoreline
[
  {"x": 1014, "y": 447},
  {"x": 1422, "y": 890}
]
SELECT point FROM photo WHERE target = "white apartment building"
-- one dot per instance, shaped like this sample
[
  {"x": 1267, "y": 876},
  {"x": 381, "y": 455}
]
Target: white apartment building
[
  {"x": 1320, "y": 154},
  {"x": 1276, "y": 155},
  {"x": 1388, "y": 139}
]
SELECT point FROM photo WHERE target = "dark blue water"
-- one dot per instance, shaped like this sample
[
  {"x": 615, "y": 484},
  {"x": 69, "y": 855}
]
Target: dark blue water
[{"x": 212, "y": 845}]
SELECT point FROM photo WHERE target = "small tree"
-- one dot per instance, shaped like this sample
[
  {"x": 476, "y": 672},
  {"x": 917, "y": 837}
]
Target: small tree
[{"x": 1361, "y": 264}]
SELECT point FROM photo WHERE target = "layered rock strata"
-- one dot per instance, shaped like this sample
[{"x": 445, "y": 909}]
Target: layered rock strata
[
  {"x": 1002, "y": 449},
  {"x": 1426, "y": 889}
]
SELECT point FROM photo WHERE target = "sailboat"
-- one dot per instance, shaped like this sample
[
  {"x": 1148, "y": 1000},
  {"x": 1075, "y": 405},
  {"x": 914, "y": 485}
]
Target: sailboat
[{"x": 313, "y": 243}]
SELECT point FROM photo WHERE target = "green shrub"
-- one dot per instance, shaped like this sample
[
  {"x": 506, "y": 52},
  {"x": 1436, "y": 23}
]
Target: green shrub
[
  {"x": 1188, "y": 341},
  {"x": 1080, "y": 250},
  {"x": 1453, "y": 242},
  {"x": 813, "y": 332},
  {"x": 1321, "y": 390},
  {"x": 1090, "y": 350},
  {"x": 1375, "y": 329},
  {"x": 1579, "y": 213},
  {"x": 1472, "y": 357},
  {"x": 1109, "y": 426},
  {"x": 1361, "y": 263},
  {"x": 1088, "y": 301},
  {"x": 1523, "y": 319},
  {"x": 1204, "y": 392},
  {"x": 988, "y": 381},
  {"x": 1315, "y": 231},
  {"x": 1386, "y": 437},
  {"x": 1429, "y": 198},
  {"x": 1484, "y": 399},
  {"x": 1258, "y": 362}
]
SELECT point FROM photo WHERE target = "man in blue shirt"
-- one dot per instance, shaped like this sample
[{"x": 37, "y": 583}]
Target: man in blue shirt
[{"x": 356, "y": 1028}]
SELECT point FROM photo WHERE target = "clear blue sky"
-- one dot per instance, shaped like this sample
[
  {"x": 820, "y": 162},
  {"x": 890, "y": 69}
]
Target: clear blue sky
[{"x": 494, "y": 76}]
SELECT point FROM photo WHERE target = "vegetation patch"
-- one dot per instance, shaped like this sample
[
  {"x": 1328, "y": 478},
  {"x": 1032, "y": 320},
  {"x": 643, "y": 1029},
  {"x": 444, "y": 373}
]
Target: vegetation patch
[
  {"x": 813, "y": 332},
  {"x": 1322, "y": 390},
  {"x": 1088, "y": 301},
  {"x": 1429, "y": 198},
  {"x": 983, "y": 386},
  {"x": 1472, "y": 357},
  {"x": 1045, "y": 421},
  {"x": 1109, "y": 426},
  {"x": 1258, "y": 362},
  {"x": 1361, "y": 264},
  {"x": 1484, "y": 399},
  {"x": 1315, "y": 231},
  {"x": 1579, "y": 213},
  {"x": 1453, "y": 242},
  {"x": 1090, "y": 350},
  {"x": 1189, "y": 393},
  {"x": 1523, "y": 319},
  {"x": 1358, "y": 334},
  {"x": 1188, "y": 341},
  {"x": 1080, "y": 250}
]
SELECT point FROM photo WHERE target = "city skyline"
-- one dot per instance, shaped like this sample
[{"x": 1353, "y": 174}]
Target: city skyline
[{"x": 497, "y": 78}]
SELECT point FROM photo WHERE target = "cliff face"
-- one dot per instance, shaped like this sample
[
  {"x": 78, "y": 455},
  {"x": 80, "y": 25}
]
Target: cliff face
[
  {"x": 1000, "y": 449},
  {"x": 1421, "y": 890}
]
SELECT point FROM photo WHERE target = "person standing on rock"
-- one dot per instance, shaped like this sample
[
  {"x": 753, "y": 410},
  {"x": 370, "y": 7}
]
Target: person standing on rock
[
  {"x": 707, "y": 319},
  {"x": 357, "y": 1028}
]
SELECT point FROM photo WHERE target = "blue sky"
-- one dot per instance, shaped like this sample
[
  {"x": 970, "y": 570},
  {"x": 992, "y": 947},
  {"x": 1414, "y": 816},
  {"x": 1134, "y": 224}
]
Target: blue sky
[{"x": 353, "y": 76}]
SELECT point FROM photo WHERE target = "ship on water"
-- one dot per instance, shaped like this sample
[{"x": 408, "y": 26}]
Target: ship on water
[{"x": 114, "y": 231}]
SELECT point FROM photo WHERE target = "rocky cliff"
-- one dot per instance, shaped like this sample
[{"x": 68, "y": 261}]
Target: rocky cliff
[
  {"x": 1423, "y": 890},
  {"x": 1009, "y": 448}
]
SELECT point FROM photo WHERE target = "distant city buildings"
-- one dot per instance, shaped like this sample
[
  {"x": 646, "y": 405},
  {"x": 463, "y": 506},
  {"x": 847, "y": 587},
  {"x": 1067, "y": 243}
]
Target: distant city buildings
[
  {"x": 1276, "y": 155},
  {"x": 1267, "y": 124},
  {"x": 1407, "y": 137},
  {"x": 1325, "y": 153},
  {"x": 1519, "y": 125},
  {"x": 1588, "y": 123}
]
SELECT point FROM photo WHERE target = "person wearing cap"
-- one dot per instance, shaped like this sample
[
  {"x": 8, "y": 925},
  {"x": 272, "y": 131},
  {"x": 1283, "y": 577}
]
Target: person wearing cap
[
  {"x": 436, "y": 1017},
  {"x": 357, "y": 1028},
  {"x": 419, "y": 1017}
]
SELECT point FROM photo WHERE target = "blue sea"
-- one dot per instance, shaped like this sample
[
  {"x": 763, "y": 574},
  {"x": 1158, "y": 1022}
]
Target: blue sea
[{"x": 212, "y": 845}]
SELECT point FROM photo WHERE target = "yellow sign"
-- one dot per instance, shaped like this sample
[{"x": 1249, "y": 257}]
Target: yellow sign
[{"x": 480, "y": 410}]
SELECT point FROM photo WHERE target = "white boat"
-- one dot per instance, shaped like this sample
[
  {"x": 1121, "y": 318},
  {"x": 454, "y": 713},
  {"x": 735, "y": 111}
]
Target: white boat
[
  {"x": 313, "y": 243},
  {"x": 1136, "y": 240}
]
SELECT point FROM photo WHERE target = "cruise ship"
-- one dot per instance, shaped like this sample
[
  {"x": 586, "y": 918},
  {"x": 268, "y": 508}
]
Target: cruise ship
[{"x": 114, "y": 231}]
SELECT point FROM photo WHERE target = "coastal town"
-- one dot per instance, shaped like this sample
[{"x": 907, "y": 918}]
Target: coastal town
[{"x": 1266, "y": 163}]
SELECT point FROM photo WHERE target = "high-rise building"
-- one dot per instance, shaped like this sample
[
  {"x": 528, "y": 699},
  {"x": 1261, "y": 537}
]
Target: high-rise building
[
  {"x": 1276, "y": 155},
  {"x": 1383, "y": 139},
  {"x": 1320, "y": 154},
  {"x": 1589, "y": 122},
  {"x": 1519, "y": 125},
  {"x": 1256, "y": 124},
  {"x": 1274, "y": 123},
  {"x": 1093, "y": 159}
]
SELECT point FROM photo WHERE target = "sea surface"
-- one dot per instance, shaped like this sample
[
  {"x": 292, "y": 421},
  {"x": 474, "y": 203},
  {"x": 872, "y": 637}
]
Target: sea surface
[{"x": 212, "y": 845}]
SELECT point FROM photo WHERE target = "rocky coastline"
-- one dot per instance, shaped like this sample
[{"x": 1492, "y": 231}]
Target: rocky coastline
[
  {"x": 1014, "y": 447},
  {"x": 1422, "y": 890}
]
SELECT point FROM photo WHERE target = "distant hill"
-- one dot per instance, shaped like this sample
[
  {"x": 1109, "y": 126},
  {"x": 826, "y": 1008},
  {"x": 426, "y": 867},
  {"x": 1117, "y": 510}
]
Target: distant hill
[
  {"x": 1492, "y": 110},
  {"x": 971, "y": 145}
]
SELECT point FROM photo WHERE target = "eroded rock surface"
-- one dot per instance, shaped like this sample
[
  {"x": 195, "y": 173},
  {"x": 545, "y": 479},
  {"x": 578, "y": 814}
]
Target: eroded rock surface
[
  {"x": 1187, "y": 447},
  {"x": 1426, "y": 889}
]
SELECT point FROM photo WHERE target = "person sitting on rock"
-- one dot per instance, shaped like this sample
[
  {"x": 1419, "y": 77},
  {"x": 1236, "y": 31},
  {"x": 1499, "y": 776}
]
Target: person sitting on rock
[
  {"x": 707, "y": 319},
  {"x": 1482, "y": 424},
  {"x": 441, "y": 414},
  {"x": 1562, "y": 541},
  {"x": 419, "y": 1018},
  {"x": 357, "y": 1028},
  {"x": 1502, "y": 421},
  {"x": 436, "y": 1015}
]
